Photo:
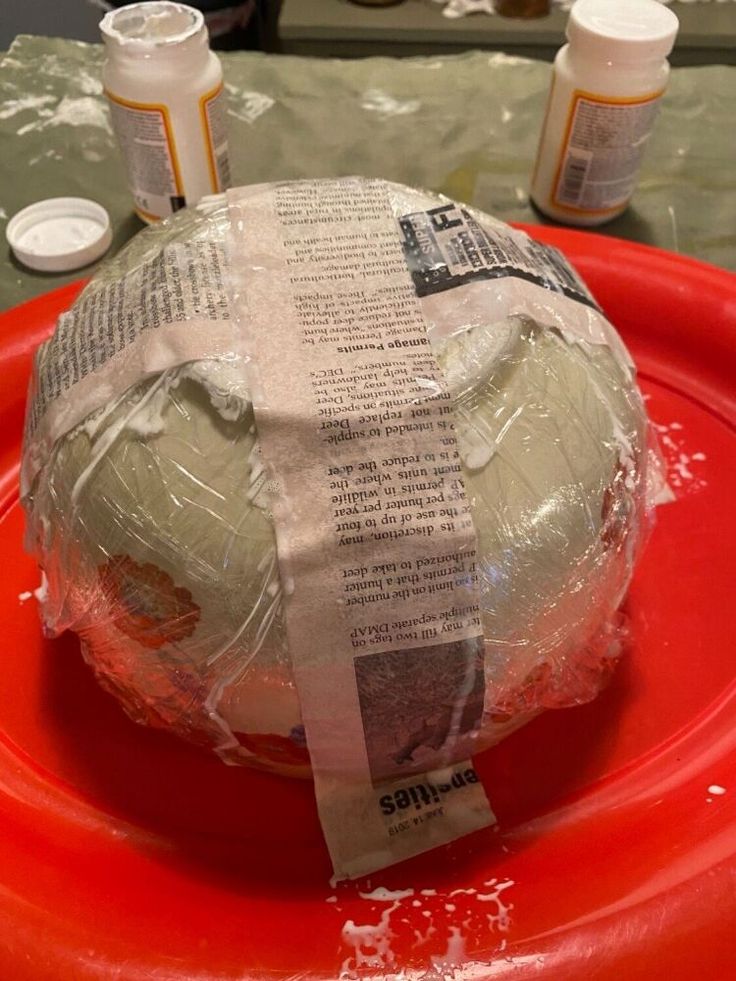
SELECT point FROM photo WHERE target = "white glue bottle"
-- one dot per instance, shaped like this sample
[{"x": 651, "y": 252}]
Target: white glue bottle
[
  {"x": 606, "y": 87},
  {"x": 167, "y": 104}
]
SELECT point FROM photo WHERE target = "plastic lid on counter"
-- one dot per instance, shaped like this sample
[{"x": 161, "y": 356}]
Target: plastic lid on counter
[{"x": 59, "y": 234}]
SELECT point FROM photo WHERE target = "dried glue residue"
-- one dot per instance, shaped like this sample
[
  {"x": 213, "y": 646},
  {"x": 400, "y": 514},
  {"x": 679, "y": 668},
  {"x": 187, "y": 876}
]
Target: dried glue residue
[
  {"x": 49, "y": 154},
  {"x": 684, "y": 466},
  {"x": 11, "y": 107},
  {"x": 439, "y": 932},
  {"x": 455, "y": 955},
  {"x": 382, "y": 895},
  {"x": 421, "y": 938},
  {"x": 41, "y": 592},
  {"x": 371, "y": 943},
  {"x": 245, "y": 105},
  {"x": 386, "y": 106},
  {"x": 84, "y": 111}
]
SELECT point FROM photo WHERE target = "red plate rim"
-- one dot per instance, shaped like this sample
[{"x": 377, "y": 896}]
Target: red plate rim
[{"x": 709, "y": 737}]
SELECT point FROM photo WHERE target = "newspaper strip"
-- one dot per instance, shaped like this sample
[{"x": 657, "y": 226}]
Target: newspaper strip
[
  {"x": 446, "y": 247},
  {"x": 471, "y": 270},
  {"x": 166, "y": 311},
  {"x": 376, "y": 545}
]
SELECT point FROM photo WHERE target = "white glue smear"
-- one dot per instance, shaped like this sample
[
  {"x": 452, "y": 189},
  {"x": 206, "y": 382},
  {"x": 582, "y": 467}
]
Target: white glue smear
[
  {"x": 375, "y": 100},
  {"x": 514, "y": 965},
  {"x": 455, "y": 955},
  {"x": 87, "y": 83},
  {"x": 42, "y": 591},
  {"x": 371, "y": 943},
  {"x": 382, "y": 895},
  {"x": 682, "y": 464},
  {"x": 224, "y": 384},
  {"x": 247, "y": 106},
  {"x": 501, "y": 919},
  {"x": 84, "y": 111},
  {"x": 149, "y": 420},
  {"x": 421, "y": 938},
  {"x": 11, "y": 107},
  {"x": 103, "y": 443},
  {"x": 46, "y": 155},
  {"x": 716, "y": 790},
  {"x": 24, "y": 597}
]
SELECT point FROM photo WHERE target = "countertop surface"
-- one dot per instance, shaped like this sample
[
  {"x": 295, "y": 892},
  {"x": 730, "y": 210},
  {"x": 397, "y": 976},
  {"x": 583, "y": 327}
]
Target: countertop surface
[
  {"x": 707, "y": 30},
  {"x": 466, "y": 125}
]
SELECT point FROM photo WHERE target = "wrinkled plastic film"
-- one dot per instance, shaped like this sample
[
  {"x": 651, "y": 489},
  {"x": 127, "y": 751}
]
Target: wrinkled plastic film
[{"x": 152, "y": 516}]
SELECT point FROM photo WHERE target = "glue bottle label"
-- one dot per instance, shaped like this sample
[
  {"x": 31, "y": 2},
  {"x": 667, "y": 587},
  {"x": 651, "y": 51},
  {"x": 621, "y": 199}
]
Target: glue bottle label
[
  {"x": 146, "y": 141},
  {"x": 212, "y": 108},
  {"x": 601, "y": 151}
]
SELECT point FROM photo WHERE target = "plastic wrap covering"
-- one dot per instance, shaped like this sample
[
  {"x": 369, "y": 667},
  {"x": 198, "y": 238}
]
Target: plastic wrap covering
[{"x": 152, "y": 518}]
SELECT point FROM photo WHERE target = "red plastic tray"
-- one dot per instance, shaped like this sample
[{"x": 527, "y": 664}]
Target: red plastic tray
[{"x": 126, "y": 854}]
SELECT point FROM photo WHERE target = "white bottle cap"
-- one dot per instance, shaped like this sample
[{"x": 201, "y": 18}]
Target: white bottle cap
[
  {"x": 623, "y": 30},
  {"x": 59, "y": 234},
  {"x": 139, "y": 29}
]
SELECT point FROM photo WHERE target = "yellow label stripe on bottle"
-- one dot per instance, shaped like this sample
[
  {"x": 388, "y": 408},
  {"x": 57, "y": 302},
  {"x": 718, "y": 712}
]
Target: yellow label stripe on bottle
[
  {"x": 146, "y": 215},
  {"x": 208, "y": 138}
]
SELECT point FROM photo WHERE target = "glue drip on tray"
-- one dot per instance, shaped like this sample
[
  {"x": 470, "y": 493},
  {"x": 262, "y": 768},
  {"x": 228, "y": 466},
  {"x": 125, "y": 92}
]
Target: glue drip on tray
[{"x": 446, "y": 924}]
